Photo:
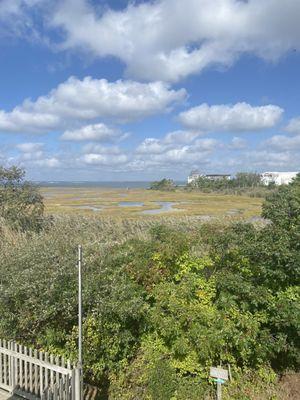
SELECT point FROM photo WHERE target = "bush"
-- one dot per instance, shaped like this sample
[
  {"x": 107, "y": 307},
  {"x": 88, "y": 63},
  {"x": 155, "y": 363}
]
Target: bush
[
  {"x": 21, "y": 205},
  {"x": 162, "y": 303}
]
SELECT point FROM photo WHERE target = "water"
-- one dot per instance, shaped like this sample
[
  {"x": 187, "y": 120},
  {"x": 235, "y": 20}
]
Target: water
[
  {"x": 93, "y": 208},
  {"x": 166, "y": 206},
  {"x": 131, "y": 204}
]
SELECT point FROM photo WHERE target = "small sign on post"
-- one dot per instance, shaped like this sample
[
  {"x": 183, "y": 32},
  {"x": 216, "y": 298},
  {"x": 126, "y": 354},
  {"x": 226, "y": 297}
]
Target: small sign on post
[{"x": 220, "y": 376}]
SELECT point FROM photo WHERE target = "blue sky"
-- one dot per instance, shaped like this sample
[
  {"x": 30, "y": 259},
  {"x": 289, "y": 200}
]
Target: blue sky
[{"x": 118, "y": 90}]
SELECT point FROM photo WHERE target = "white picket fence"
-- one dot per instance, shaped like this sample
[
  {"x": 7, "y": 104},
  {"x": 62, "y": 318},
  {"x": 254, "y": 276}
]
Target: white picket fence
[{"x": 37, "y": 375}]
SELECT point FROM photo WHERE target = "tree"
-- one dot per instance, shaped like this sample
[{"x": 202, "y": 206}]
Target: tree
[
  {"x": 243, "y": 180},
  {"x": 283, "y": 206},
  {"x": 21, "y": 204},
  {"x": 247, "y": 179},
  {"x": 164, "y": 184}
]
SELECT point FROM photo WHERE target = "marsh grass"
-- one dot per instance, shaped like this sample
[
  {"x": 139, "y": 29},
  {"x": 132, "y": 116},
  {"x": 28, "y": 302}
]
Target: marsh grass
[{"x": 60, "y": 200}]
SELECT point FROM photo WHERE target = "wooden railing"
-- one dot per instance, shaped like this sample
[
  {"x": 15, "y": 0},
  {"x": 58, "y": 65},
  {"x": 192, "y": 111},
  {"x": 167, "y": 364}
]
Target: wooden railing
[{"x": 34, "y": 374}]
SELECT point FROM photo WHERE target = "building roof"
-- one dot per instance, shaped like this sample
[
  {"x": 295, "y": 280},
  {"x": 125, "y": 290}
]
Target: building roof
[{"x": 218, "y": 175}]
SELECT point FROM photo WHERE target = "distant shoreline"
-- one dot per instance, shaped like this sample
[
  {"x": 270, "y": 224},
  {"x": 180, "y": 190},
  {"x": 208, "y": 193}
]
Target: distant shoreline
[{"x": 108, "y": 184}]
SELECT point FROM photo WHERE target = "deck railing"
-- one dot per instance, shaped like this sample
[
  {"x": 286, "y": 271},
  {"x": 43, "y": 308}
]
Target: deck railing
[{"x": 34, "y": 374}]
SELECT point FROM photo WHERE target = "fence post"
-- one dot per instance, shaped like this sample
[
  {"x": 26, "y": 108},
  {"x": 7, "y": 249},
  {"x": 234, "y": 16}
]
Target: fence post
[
  {"x": 12, "y": 369},
  {"x": 78, "y": 384}
]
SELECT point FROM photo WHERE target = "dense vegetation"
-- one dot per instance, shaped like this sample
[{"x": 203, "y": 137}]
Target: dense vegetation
[
  {"x": 248, "y": 183},
  {"x": 164, "y": 184},
  {"x": 21, "y": 204},
  {"x": 162, "y": 302}
]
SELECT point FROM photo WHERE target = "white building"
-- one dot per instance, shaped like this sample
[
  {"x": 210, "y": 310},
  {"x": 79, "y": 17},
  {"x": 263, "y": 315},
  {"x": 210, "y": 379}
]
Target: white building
[
  {"x": 279, "y": 178},
  {"x": 194, "y": 175}
]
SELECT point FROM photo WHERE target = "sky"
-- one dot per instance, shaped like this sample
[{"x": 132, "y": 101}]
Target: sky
[{"x": 116, "y": 90}]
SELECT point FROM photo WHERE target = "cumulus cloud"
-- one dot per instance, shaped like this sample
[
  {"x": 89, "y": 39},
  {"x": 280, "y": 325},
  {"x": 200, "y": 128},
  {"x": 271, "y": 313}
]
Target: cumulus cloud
[
  {"x": 238, "y": 143},
  {"x": 240, "y": 117},
  {"x": 51, "y": 162},
  {"x": 33, "y": 155},
  {"x": 181, "y": 136},
  {"x": 29, "y": 147},
  {"x": 170, "y": 39},
  {"x": 100, "y": 149},
  {"x": 263, "y": 159},
  {"x": 109, "y": 156},
  {"x": 90, "y": 99},
  {"x": 175, "y": 159},
  {"x": 293, "y": 126},
  {"x": 282, "y": 143},
  {"x": 175, "y": 138},
  {"x": 16, "y": 18},
  {"x": 180, "y": 148},
  {"x": 104, "y": 159},
  {"x": 96, "y": 132}
]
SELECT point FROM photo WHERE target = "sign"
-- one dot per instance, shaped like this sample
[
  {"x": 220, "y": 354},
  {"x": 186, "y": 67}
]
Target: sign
[
  {"x": 221, "y": 381},
  {"x": 219, "y": 373}
]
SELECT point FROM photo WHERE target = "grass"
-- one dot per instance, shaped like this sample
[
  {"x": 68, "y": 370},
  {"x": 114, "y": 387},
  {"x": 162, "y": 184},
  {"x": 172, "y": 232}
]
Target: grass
[{"x": 68, "y": 200}]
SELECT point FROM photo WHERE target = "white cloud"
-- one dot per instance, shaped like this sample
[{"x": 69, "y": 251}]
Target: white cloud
[
  {"x": 90, "y": 99},
  {"x": 240, "y": 117},
  {"x": 175, "y": 138},
  {"x": 100, "y": 149},
  {"x": 96, "y": 132},
  {"x": 238, "y": 143},
  {"x": 109, "y": 156},
  {"x": 16, "y": 7},
  {"x": 205, "y": 144},
  {"x": 30, "y": 147},
  {"x": 51, "y": 162},
  {"x": 104, "y": 159},
  {"x": 181, "y": 136},
  {"x": 170, "y": 39},
  {"x": 30, "y": 152},
  {"x": 151, "y": 146},
  {"x": 293, "y": 126},
  {"x": 282, "y": 143},
  {"x": 180, "y": 148},
  {"x": 267, "y": 159},
  {"x": 177, "y": 159},
  {"x": 16, "y": 18},
  {"x": 32, "y": 155}
]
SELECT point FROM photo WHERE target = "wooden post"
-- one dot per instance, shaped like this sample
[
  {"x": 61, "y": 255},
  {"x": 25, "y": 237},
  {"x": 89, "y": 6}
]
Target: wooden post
[{"x": 219, "y": 391}]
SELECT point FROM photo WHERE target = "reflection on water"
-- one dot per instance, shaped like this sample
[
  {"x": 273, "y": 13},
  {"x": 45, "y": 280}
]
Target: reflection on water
[
  {"x": 166, "y": 206},
  {"x": 131, "y": 204},
  {"x": 93, "y": 208}
]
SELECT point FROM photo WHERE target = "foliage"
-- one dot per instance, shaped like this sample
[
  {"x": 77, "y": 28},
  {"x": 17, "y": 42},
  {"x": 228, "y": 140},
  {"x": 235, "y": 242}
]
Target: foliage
[
  {"x": 164, "y": 184},
  {"x": 247, "y": 183},
  {"x": 21, "y": 205},
  {"x": 162, "y": 303},
  {"x": 283, "y": 206}
]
